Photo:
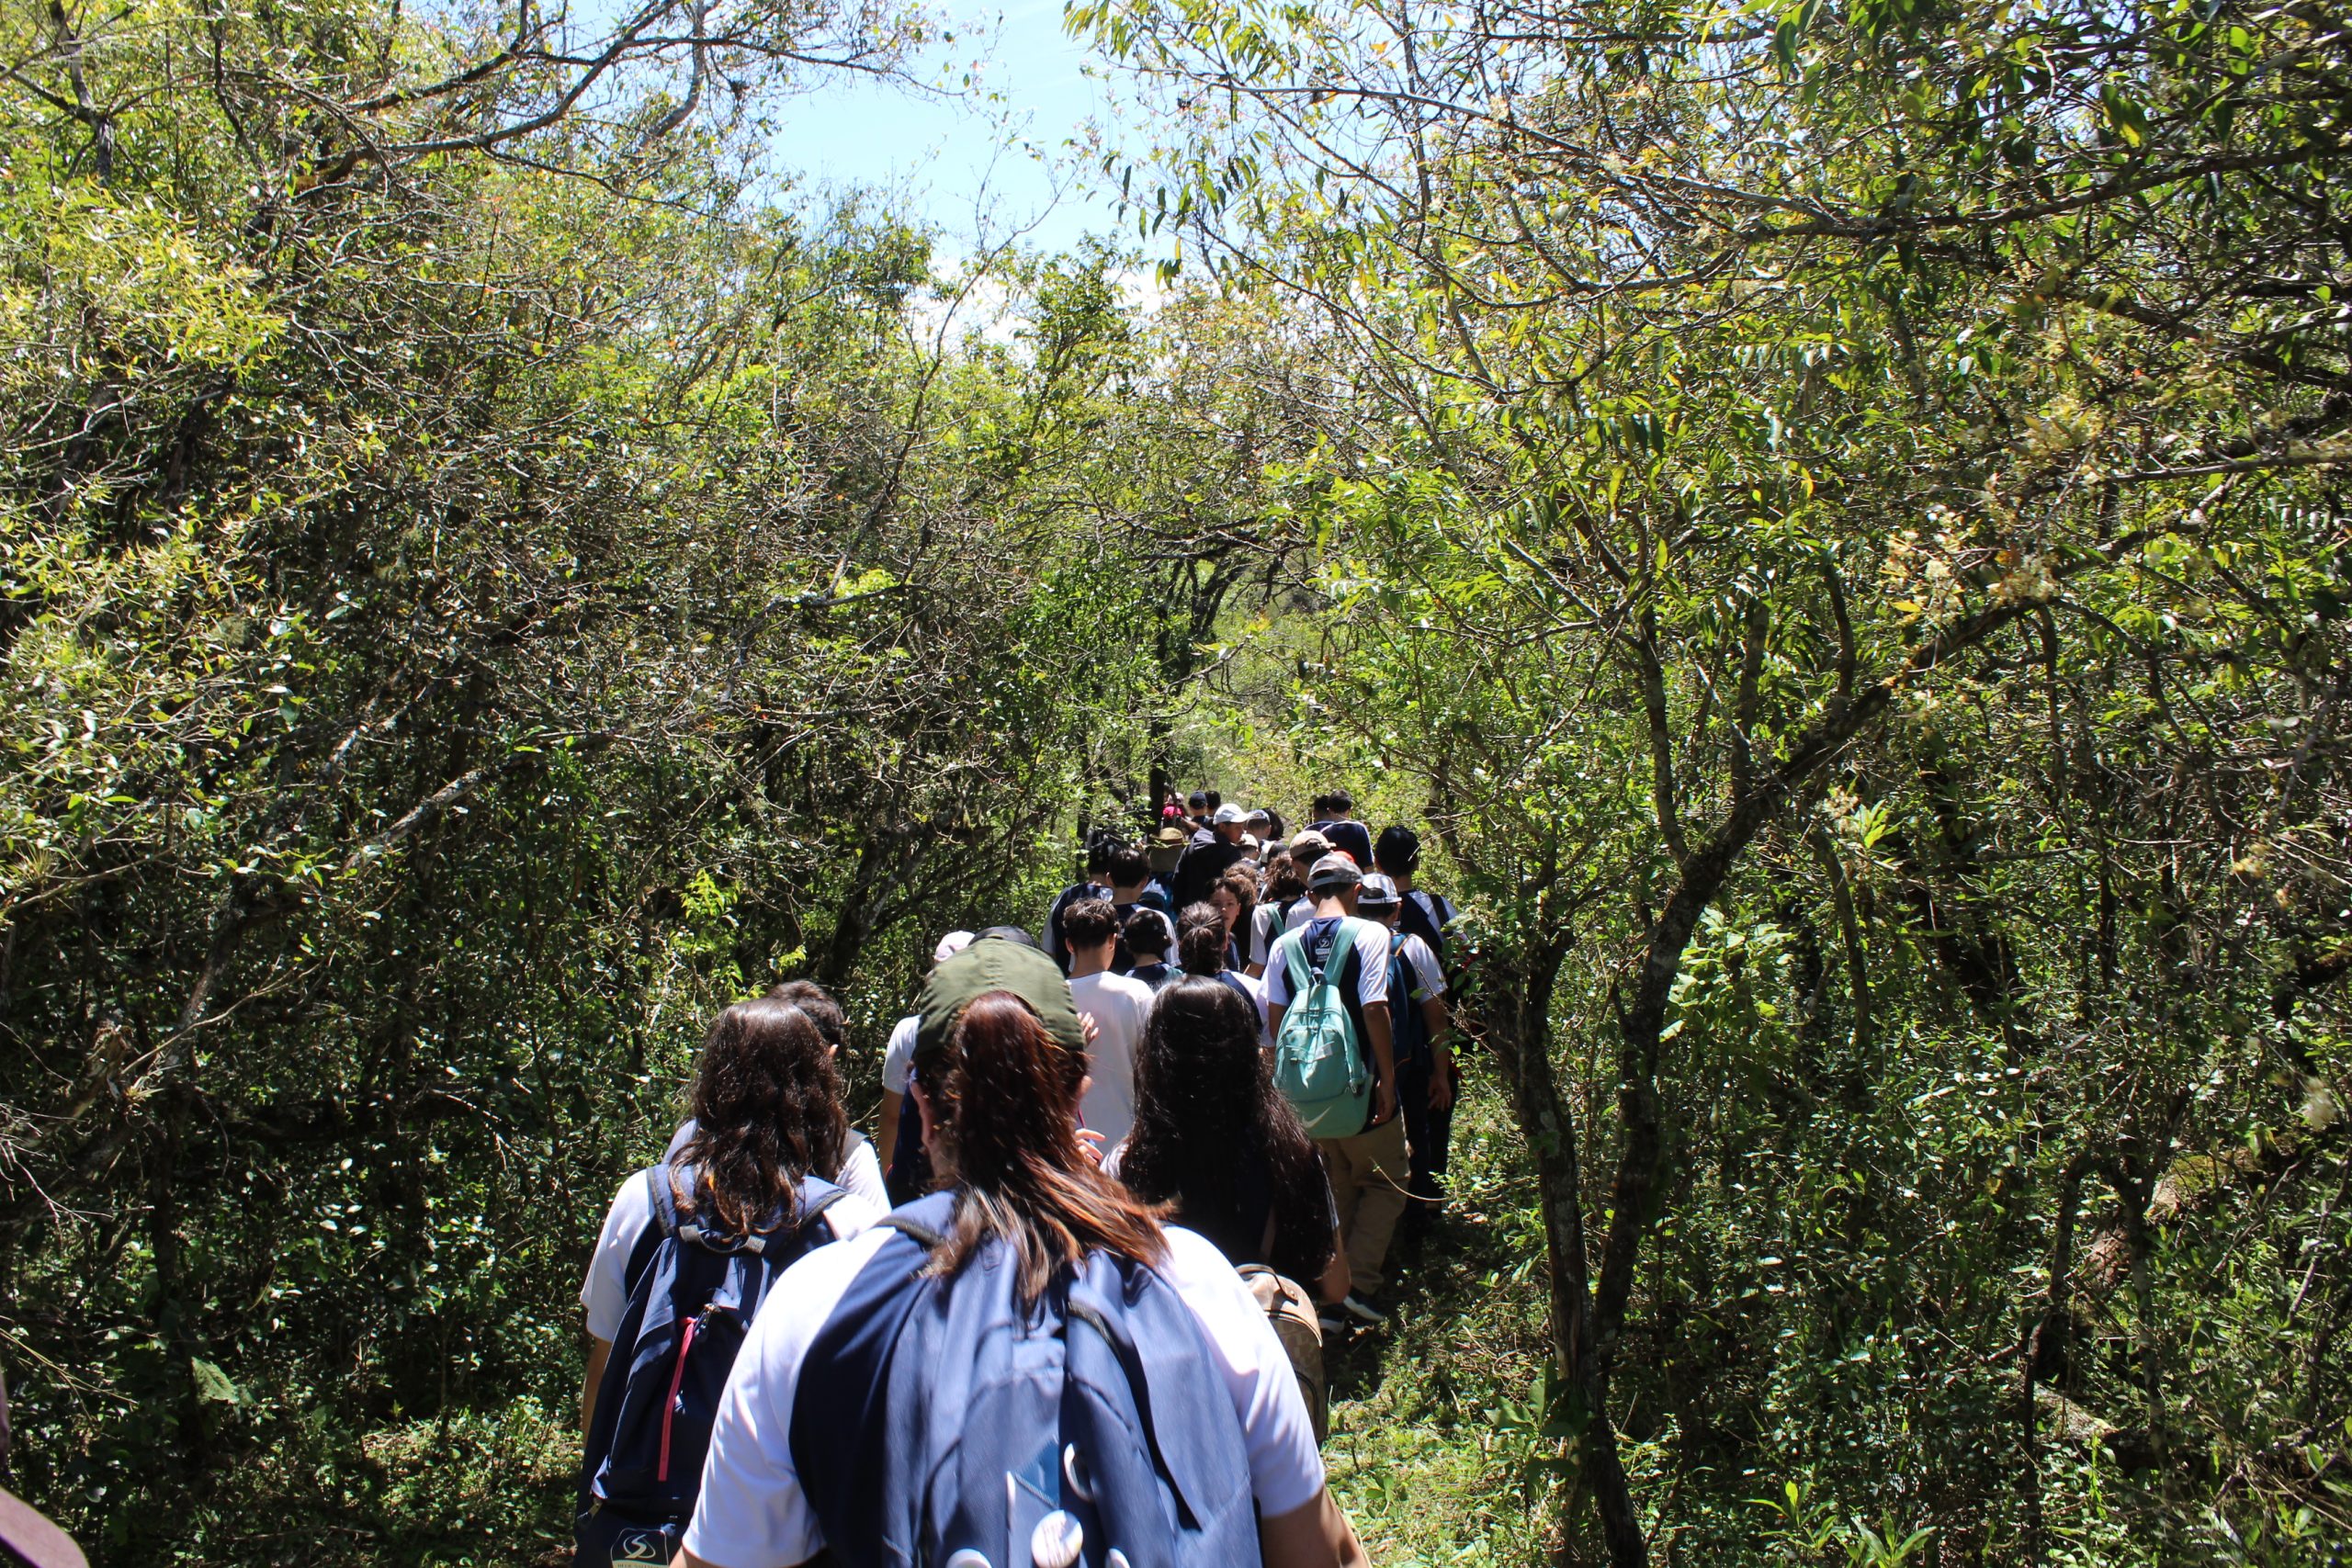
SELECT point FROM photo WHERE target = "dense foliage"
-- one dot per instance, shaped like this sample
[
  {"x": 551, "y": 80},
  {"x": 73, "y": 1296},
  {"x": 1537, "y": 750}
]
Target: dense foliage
[
  {"x": 1834, "y": 519},
  {"x": 1837, "y": 521},
  {"x": 472, "y": 601}
]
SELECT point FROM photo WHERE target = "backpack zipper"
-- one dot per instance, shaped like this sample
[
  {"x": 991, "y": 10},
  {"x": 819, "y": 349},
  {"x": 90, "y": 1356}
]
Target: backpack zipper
[{"x": 677, "y": 1379}]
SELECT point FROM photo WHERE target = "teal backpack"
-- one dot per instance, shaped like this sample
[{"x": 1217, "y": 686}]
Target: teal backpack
[{"x": 1318, "y": 1065}]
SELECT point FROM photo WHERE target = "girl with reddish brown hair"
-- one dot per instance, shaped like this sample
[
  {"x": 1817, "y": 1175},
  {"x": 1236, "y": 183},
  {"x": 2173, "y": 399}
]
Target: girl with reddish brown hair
[{"x": 825, "y": 1377}]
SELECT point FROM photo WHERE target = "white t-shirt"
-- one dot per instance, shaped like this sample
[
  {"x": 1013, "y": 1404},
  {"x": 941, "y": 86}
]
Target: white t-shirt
[
  {"x": 861, "y": 1174},
  {"x": 605, "y": 1291},
  {"x": 1118, "y": 1007},
  {"x": 899, "y": 1056},
  {"x": 1299, "y": 913},
  {"x": 1265, "y": 929},
  {"x": 1372, "y": 966},
  {"x": 752, "y": 1513}
]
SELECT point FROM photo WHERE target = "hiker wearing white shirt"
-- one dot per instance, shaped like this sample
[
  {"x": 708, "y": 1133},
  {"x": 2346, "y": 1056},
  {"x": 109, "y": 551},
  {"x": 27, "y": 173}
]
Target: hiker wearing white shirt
[
  {"x": 882, "y": 1353},
  {"x": 1369, "y": 1168},
  {"x": 899, "y": 1055},
  {"x": 1118, "y": 1007}
]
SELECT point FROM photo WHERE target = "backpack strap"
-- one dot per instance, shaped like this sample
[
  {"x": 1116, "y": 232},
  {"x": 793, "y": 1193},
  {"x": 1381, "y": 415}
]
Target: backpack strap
[
  {"x": 816, "y": 1195},
  {"x": 1302, "y": 979},
  {"x": 923, "y": 1222}
]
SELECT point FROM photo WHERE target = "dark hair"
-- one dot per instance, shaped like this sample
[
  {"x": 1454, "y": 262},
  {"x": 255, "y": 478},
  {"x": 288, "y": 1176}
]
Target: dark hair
[
  {"x": 1342, "y": 804},
  {"x": 1101, "y": 845},
  {"x": 1285, "y": 880},
  {"x": 1398, "y": 848},
  {"x": 1201, "y": 795},
  {"x": 1200, "y": 939},
  {"x": 1146, "y": 934},
  {"x": 1014, "y": 934},
  {"x": 1128, "y": 867},
  {"x": 1320, "y": 807},
  {"x": 1216, "y": 800},
  {"x": 767, "y": 1109},
  {"x": 1242, "y": 883},
  {"x": 818, "y": 1003},
  {"x": 1204, "y": 1102},
  {"x": 1273, "y": 823},
  {"x": 1090, "y": 922},
  {"x": 1003, "y": 1093}
]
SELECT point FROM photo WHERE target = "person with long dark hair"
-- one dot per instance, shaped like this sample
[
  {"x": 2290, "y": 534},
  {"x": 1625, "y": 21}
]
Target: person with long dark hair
[
  {"x": 834, "y": 1427},
  {"x": 1235, "y": 899},
  {"x": 765, "y": 1115},
  {"x": 745, "y": 1183},
  {"x": 1215, "y": 1141}
]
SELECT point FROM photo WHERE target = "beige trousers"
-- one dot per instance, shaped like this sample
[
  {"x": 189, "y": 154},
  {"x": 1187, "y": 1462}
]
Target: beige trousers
[{"x": 1369, "y": 1173}]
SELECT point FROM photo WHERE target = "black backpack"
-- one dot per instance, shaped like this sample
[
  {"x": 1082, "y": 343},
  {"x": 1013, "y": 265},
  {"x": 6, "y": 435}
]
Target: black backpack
[{"x": 692, "y": 1295}]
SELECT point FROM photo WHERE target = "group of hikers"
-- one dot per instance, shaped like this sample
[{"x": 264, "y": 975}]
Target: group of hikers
[{"x": 1067, "y": 1304}]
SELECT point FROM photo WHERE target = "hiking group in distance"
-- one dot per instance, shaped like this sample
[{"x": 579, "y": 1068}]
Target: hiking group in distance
[{"x": 1068, "y": 1305}]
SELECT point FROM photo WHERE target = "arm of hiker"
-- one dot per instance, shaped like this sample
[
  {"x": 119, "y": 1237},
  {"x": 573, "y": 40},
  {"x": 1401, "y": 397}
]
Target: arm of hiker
[
  {"x": 598, "y": 1351},
  {"x": 1440, "y": 1019},
  {"x": 1316, "y": 1536},
  {"x": 1383, "y": 1050}
]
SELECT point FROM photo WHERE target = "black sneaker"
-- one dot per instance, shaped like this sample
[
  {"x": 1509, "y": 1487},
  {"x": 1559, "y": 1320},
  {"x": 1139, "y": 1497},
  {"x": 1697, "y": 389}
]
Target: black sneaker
[
  {"x": 1329, "y": 1316},
  {"x": 1368, "y": 1308}
]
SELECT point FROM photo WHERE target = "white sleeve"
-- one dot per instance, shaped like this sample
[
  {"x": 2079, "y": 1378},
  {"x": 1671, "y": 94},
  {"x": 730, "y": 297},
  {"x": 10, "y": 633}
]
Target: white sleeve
[
  {"x": 899, "y": 1056},
  {"x": 751, "y": 1512},
  {"x": 605, "y": 1291},
  {"x": 1285, "y": 1466},
  {"x": 1372, "y": 963},
  {"x": 1301, "y": 913},
  {"x": 1263, "y": 917},
  {"x": 861, "y": 1177},
  {"x": 1425, "y": 967},
  {"x": 1276, "y": 979}
]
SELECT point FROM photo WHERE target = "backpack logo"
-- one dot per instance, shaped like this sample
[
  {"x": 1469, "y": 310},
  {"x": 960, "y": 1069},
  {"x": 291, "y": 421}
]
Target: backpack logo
[{"x": 1317, "y": 1065}]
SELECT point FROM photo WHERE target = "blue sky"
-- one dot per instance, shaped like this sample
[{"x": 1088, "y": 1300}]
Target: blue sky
[{"x": 943, "y": 156}]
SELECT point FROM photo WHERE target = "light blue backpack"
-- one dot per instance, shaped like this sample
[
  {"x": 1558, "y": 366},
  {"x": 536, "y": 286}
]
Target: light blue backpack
[{"x": 1317, "y": 1063}]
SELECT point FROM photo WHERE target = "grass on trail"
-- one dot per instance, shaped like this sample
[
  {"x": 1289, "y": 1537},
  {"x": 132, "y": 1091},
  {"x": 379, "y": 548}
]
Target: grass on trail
[{"x": 1435, "y": 1452}]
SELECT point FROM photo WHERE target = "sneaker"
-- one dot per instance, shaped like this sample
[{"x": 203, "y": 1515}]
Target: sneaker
[
  {"x": 1368, "y": 1308},
  {"x": 1329, "y": 1316}
]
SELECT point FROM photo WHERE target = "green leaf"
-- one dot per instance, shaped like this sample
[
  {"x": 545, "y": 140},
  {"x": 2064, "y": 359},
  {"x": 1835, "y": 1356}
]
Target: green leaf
[{"x": 212, "y": 1384}]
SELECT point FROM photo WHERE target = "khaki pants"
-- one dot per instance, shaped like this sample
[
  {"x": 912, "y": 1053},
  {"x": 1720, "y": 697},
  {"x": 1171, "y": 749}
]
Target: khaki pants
[{"x": 1368, "y": 1176}]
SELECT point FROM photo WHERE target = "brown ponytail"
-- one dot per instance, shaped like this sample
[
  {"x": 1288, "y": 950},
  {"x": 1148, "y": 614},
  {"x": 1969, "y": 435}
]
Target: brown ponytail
[{"x": 1003, "y": 1094}]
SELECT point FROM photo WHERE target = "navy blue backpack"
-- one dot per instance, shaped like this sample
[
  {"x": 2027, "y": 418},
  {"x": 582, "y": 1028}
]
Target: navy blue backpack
[
  {"x": 941, "y": 1423},
  {"x": 692, "y": 1295},
  {"x": 1409, "y": 1031}
]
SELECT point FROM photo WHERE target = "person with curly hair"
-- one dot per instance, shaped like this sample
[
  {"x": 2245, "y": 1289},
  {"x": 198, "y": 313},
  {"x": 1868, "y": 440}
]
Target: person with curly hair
[{"x": 767, "y": 1118}]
